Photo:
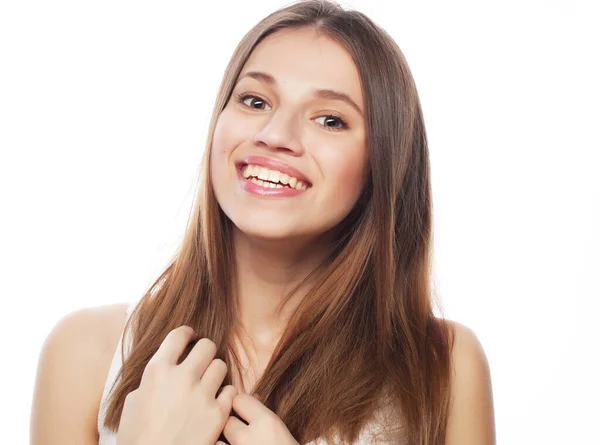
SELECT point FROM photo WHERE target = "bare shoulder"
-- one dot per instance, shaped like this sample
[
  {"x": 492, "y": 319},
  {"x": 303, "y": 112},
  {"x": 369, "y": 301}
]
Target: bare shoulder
[
  {"x": 72, "y": 370},
  {"x": 471, "y": 418}
]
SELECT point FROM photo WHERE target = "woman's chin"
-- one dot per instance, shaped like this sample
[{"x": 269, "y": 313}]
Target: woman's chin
[{"x": 272, "y": 232}]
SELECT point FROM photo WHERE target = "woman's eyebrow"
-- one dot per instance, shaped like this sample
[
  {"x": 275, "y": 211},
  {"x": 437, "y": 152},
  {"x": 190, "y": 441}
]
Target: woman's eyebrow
[{"x": 320, "y": 93}]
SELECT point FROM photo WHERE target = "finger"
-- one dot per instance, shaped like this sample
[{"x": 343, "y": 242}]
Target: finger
[
  {"x": 213, "y": 377},
  {"x": 173, "y": 345},
  {"x": 200, "y": 357},
  {"x": 186, "y": 351},
  {"x": 225, "y": 399},
  {"x": 249, "y": 408},
  {"x": 234, "y": 429}
]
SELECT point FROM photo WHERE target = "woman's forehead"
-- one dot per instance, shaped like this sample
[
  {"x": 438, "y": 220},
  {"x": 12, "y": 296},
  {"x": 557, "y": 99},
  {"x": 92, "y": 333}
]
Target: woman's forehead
[{"x": 302, "y": 59}]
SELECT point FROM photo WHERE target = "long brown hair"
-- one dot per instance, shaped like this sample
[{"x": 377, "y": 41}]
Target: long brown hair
[{"x": 365, "y": 336}]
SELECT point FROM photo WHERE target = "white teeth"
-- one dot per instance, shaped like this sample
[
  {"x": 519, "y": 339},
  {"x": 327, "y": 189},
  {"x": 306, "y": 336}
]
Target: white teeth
[
  {"x": 274, "y": 176},
  {"x": 260, "y": 175},
  {"x": 263, "y": 173}
]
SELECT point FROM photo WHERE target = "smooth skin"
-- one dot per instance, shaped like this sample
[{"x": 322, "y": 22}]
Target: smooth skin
[
  {"x": 276, "y": 243},
  {"x": 178, "y": 404},
  {"x": 279, "y": 116},
  {"x": 72, "y": 370},
  {"x": 76, "y": 356}
]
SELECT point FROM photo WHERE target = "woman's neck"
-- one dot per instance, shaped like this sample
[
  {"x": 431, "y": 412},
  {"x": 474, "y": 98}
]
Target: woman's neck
[{"x": 266, "y": 271}]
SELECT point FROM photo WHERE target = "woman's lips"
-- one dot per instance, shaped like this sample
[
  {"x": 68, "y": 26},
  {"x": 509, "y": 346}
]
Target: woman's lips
[
  {"x": 274, "y": 164},
  {"x": 260, "y": 190}
]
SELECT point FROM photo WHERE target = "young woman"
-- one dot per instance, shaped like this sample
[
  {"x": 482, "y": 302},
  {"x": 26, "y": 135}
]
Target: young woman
[{"x": 298, "y": 307}]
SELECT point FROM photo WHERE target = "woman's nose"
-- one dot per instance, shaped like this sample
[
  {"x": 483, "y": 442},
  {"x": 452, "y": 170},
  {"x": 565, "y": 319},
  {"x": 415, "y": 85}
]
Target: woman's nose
[{"x": 281, "y": 131}]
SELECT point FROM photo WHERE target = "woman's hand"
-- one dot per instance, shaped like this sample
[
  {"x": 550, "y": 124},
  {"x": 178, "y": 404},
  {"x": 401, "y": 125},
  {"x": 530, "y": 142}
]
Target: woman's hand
[
  {"x": 176, "y": 404},
  {"x": 264, "y": 427}
]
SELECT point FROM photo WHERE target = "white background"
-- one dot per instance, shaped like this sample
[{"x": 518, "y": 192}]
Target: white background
[{"x": 104, "y": 108}]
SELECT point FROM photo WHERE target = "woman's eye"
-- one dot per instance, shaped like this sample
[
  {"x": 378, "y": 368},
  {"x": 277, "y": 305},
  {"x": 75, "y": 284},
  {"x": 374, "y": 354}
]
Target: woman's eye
[
  {"x": 251, "y": 101},
  {"x": 330, "y": 122}
]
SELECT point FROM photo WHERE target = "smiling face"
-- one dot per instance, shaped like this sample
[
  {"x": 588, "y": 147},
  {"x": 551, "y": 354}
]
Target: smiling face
[{"x": 311, "y": 143}]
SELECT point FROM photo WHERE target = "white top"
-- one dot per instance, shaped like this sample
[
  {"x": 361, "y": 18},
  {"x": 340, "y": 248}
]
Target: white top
[{"x": 107, "y": 437}]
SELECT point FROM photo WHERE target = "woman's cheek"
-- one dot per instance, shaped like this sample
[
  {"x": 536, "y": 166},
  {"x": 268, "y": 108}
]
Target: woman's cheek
[
  {"x": 349, "y": 174},
  {"x": 221, "y": 138},
  {"x": 230, "y": 132}
]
